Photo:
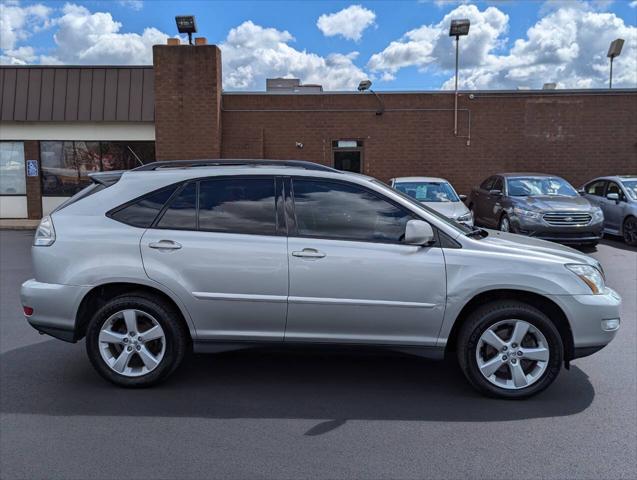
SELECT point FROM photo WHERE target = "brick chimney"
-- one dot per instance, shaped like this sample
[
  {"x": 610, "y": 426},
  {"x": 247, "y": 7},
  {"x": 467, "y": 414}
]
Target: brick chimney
[{"x": 187, "y": 101}]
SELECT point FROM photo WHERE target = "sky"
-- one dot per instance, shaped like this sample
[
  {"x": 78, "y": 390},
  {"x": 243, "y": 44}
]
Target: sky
[{"x": 399, "y": 44}]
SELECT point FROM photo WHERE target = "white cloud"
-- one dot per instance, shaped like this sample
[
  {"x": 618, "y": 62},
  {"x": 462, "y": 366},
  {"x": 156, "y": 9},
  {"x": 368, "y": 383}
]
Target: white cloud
[
  {"x": 633, "y": 4},
  {"x": 17, "y": 23},
  {"x": 251, "y": 53},
  {"x": 349, "y": 23},
  {"x": 133, "y": 4},
  {"x": 431, "y": 44},
  {"x": 94, "y": 38},
  {"x": 567, "y": 46}
]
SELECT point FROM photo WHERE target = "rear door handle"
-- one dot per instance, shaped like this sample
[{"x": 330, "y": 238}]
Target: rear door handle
[
  {"x": 165, "y": 245},
  {"x": 308, "y": 253}
]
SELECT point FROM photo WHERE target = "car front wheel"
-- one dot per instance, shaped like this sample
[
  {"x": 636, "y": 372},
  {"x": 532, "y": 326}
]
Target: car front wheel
[
  {"x": 509, "y": 349},
  {"x": 136, "y": 340},
  {"x": 630, "y": 231}
]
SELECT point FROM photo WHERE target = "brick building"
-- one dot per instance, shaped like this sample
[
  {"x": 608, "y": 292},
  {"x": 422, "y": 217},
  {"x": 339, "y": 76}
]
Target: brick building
[{"x": 59, "y": 123}]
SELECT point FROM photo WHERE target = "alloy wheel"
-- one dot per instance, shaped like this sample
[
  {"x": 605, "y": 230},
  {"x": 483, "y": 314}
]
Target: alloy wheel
[
  {"x": 630, "y": 231},
  {"x": 132, "y": 343},
  {"x": 505, "y": 226},
  {"x": 512, "y": 354}
]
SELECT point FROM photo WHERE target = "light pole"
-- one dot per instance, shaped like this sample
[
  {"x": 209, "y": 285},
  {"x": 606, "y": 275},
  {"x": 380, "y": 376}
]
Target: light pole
[
  {"x": 458, "y": 28},
  {"x": 613, "y": 51}
]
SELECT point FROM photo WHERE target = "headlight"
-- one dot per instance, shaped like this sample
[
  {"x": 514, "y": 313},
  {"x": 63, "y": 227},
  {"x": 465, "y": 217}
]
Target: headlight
[
  {"x": 590, "y": 276},
  {"x": 520, "y": 212},
  {"x": 467, "y": 217},
  {"x": 598, "y": 215},
  {"x": 45, "y": 234}
]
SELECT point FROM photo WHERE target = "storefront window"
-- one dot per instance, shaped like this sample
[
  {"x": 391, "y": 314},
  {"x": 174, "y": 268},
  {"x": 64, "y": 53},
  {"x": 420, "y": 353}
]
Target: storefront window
[
  {"x": 12, "y": 181},
  {"x": 66, "y": 165}
]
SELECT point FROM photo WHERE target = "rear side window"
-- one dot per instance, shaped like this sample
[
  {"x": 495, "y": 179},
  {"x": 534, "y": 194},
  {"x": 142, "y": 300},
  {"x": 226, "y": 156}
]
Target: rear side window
[
  {"x": 181, "y": 214},
  {"x": 487, "y": 184},
  {"x": 596, "y": 188},
  {"x": 238, "y": 205},
  {"x": 142, "y": 212}
]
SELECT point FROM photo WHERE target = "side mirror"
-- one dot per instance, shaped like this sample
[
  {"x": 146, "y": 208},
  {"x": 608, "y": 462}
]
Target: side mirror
[
  {"x": 418, "y": 232},
  {"x": 581, "y": 191},
  {"x": 613, "y": 196},
  {"x": 462, "y": 197},
  {"x": 497, "y": 193}
]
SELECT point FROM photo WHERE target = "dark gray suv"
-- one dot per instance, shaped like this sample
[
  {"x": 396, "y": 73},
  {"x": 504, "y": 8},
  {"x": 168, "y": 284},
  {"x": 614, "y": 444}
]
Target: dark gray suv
[{"x": 538, "y": 205}]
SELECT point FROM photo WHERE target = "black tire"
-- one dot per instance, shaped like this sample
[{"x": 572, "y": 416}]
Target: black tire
[
  {"x": 175, "y": 333},
  {"x": 629, "y": 230},
  {"x": 488, "y": 315}
]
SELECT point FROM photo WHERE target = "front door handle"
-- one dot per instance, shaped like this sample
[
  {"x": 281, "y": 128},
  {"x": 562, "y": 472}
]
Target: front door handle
[
  {"x": 165, "y": 245},
  {"x": 308, "y": 253}
]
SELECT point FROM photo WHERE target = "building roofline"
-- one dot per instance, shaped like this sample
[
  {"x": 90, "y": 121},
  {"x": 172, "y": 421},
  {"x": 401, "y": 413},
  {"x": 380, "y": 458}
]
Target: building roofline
[{"x": 572, "y": 91}]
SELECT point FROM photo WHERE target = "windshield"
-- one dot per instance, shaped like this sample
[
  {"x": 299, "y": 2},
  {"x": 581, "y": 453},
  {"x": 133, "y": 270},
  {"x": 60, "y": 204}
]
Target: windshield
[
  {"x": 458, "y": 226},
  {"x": 428, "y": 191},
  {"x": 536, "y": 186},
  {"x": 631, "y": 188}
]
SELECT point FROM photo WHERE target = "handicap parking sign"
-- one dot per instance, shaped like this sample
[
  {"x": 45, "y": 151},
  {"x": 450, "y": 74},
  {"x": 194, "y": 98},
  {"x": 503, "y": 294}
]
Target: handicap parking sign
[{"x": 32, "y": 168}]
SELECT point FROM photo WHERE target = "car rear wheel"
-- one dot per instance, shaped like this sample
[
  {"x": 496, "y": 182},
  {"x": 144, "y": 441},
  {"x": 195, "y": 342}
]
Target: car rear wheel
[
  {"x": 630, "y": 231},
  {"x": 508, "y": 349},
  {"x": 136, "y": 340}
]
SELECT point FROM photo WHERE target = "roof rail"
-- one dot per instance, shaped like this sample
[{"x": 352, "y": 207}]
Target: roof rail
[{"x": 233, "y": 162}]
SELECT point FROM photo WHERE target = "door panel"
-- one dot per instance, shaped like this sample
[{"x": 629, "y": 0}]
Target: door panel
[
  {"x": 363, "y": 292},
  {"x": 234, "y": 286}
]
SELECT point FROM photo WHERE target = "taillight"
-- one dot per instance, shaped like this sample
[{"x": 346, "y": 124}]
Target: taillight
[
  {"x": 45, "y": 234},
  {"x": 28, "y": 311}
]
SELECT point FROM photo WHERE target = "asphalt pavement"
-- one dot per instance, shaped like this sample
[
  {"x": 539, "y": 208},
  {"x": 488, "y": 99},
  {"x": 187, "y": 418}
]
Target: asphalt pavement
[{"x": 308, "y": 413}]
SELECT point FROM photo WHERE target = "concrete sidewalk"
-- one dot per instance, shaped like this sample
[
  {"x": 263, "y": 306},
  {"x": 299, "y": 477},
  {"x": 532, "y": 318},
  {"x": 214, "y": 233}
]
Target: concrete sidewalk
[{"x": 18, "y": 224}]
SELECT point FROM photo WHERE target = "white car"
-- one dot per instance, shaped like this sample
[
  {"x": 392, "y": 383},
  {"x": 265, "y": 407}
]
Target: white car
[{"x": 436, "y": 193}]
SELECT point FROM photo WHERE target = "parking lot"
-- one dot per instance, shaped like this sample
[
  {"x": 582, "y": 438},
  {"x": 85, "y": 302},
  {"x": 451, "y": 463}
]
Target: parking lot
[{"x": 308, "y": 414}]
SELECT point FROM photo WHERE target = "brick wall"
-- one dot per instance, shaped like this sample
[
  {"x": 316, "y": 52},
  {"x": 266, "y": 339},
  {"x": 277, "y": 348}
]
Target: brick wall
[
  {"x": 187, "y": 101},
  {"x": 577, "y": 136}
]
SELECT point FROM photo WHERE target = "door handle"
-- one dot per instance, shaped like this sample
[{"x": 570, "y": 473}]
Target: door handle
[
  {"x": 308, "y": 253},
  {"x": 165, "y": 245}
]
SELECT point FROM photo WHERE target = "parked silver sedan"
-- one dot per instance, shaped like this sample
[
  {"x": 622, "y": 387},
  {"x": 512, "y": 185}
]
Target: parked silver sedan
[
  {"x": 436, "y": 193},
  {"x": 617, "y": 197}
]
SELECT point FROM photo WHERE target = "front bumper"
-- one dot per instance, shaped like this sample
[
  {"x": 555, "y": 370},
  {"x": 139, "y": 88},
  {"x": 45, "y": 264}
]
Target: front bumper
[
  {"x": 591, "y": 233},
  {"x": 585, "y": 314},
  {"x": 54, "y": 307}
]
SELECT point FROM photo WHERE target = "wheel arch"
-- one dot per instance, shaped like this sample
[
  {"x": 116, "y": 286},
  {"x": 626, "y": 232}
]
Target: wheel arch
[
  {"x": 100, "y": 294},
  {"x": 536, "y": 300}
]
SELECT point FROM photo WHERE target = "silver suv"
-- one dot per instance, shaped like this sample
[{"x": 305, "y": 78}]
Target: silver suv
[{"x": 221, "y": 255}]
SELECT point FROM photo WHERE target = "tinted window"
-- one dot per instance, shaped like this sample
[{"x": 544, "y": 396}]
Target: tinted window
[
  {"x": 337, "y": 210},
  {"x": 66, "y": 165},
  {"x": 497, "y": 184},
  {"x": 142, "y": 212},
  {"x": 238, "y": 205},
  {"x": 181, "y": 214},
  {"x": 487, "y": 184},
  {"x": 596, "y": 188}
]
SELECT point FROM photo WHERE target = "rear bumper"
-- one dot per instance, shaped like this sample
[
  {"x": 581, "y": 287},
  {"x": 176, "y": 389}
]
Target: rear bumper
[
  {"x": 54, "y": 307},
  {"x": 585, "y": 314}
]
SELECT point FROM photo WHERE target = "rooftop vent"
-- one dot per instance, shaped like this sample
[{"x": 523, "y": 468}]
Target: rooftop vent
[{"x": 290, "y": 85}]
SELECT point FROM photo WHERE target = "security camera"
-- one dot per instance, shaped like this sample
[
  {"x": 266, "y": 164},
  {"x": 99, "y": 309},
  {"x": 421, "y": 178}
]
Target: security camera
[
  {"x": 299, "y": 145},
  {"x": 364, "y": 85}
]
